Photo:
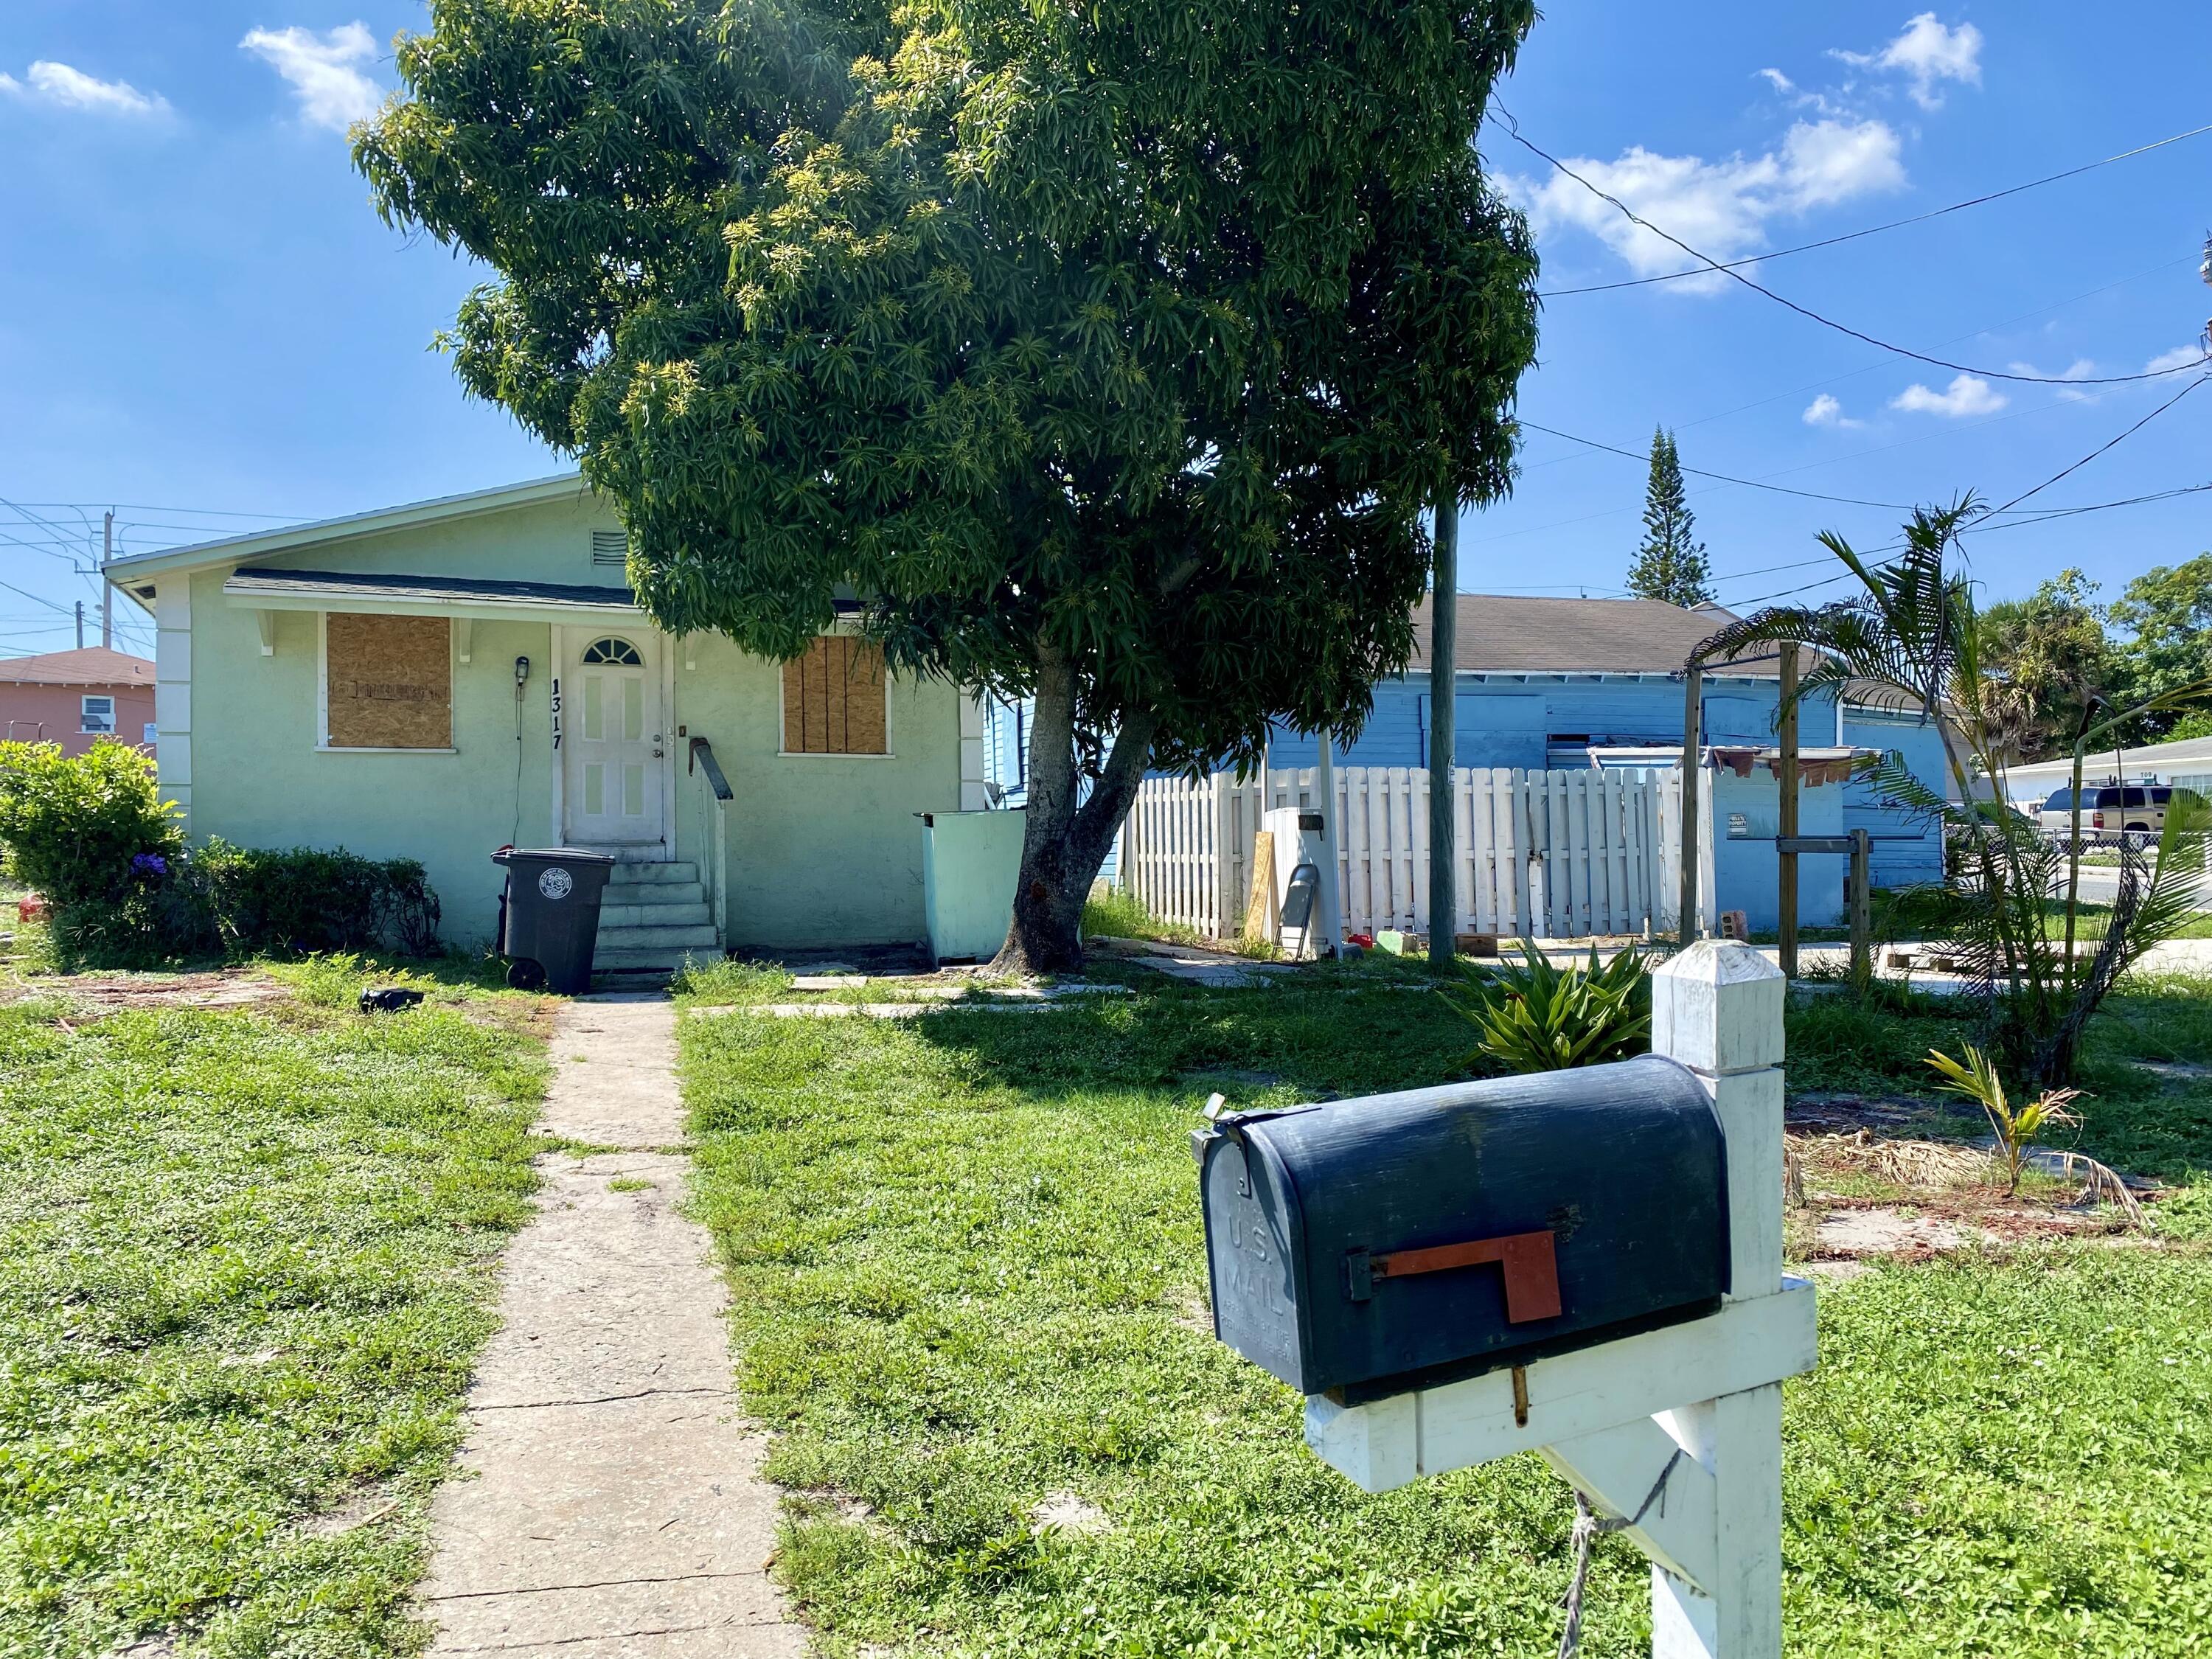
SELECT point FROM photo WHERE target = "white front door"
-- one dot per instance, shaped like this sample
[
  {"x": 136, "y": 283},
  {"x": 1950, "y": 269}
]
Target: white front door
[{"x": 612, "y": 782}]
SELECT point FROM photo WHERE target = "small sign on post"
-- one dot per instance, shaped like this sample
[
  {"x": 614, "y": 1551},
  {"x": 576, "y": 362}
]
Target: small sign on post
[{"x": 1439, "y": 1315}]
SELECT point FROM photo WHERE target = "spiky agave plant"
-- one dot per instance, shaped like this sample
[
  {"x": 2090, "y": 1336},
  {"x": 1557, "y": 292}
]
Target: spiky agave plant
[
  {"x": 1537, "y": 1018},
  {"x": 1910, "y": 639}
]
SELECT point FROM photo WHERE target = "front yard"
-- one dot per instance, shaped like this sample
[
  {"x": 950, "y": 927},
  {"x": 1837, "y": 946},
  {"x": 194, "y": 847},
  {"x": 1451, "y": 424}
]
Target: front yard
[
  {"x": 967, "y": 1282},
  {"x": 246, "y": 1258}
]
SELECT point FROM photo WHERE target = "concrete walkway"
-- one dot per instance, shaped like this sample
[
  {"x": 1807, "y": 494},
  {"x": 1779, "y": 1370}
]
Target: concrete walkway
[{"x": 612, "y": 1502}]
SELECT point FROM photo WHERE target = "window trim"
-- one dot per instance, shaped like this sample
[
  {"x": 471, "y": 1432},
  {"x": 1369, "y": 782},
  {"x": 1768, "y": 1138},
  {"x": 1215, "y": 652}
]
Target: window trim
[
  {"x": 584, "y": 658},
  {"x": 888, "y": 752},
  {"x": 84, "y": 714},
  {"x": 323, "y": 745}
]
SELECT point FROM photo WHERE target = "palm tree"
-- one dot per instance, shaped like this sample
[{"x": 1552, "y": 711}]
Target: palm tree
[{"x": 1911, "y": 638}]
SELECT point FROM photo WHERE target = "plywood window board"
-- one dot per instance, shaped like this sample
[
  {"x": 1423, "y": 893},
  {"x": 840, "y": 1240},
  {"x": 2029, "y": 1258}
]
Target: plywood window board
[
  {"x": 387, "y": 682},
  {"x": 834, "y": 699}
]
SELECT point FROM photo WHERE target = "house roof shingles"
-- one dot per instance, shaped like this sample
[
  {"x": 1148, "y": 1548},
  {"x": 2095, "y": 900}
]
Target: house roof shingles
[
  {"x": 94, "y": 665},
  {"x": 1507, "y": 634}
]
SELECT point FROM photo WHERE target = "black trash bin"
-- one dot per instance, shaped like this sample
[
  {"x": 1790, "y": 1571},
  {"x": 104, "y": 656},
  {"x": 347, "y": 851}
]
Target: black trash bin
[{"x": 549, "y": 916}]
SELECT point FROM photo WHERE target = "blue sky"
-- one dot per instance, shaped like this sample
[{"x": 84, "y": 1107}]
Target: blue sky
[{"x": 200, "y": 315}]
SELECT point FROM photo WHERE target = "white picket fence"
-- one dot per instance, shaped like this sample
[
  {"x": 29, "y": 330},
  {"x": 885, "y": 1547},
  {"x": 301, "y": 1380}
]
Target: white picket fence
[{"x": 1562, "y": 855}]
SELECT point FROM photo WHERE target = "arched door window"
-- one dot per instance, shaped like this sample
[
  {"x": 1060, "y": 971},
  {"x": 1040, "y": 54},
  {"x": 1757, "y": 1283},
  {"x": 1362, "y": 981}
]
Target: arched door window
[{"x": 614, "y": 652}]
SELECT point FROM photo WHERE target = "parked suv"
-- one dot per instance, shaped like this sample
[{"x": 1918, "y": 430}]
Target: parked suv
[
  {"x": 2056, "y": 816},
  {"x": 2136, "y": 813}
]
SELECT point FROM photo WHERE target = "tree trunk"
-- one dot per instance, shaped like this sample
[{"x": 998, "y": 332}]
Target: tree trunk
[{"x": 1064, "y": 843}]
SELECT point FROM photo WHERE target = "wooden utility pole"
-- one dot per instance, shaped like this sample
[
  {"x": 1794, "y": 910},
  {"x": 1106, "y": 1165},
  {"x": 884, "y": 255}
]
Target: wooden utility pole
[
  {"x": 1693, "y": 702},
  {"x": 1443, "y": 709},
  {"x": 1787, "y": 772},
  {"x": 106, "y": 587}
]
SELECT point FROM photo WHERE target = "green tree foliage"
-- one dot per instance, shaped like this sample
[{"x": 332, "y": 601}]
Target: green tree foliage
[
  {"x": 2049, "y": 662},
  {"x": 2167, "y": 614},
  {"x": 1107, "y": 353},
  {"x": 1671, "y": 565}
]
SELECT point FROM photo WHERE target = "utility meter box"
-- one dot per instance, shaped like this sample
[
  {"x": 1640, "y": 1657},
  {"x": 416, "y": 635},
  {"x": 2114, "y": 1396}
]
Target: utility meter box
[
  {"x": 1301, "y": 852},
  {"x": 1367, "y": 1247}
]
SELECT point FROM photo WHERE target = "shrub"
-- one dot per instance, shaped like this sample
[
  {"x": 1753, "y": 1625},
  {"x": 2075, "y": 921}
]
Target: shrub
[
  {"x": 93, "y": 834},
  {"x": 84, "y": 830},
  {"x": 308, "y": 899},
  {"x": 1536, "y": 1018}
]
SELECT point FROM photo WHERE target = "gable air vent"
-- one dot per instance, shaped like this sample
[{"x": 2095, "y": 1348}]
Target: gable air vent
[{"x": 610, "y": 546}]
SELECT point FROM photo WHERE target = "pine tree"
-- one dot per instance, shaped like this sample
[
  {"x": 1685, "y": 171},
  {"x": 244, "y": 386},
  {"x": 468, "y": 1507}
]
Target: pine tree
[{"x": 1671, "y": 565}]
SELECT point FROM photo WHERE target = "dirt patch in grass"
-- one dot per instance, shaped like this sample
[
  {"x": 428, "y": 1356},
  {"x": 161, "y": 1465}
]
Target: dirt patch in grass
[
  {"x": 1818, "y": 1112},
  {"x": 1867, "y": 1196},
  {"x": 107, "y": 994}
]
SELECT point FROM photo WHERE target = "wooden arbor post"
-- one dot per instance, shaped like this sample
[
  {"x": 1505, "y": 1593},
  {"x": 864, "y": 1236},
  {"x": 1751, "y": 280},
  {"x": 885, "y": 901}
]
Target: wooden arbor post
[
  {"x": 1694, "y": 708},
  {"x": 1860, "y": 901},
  {"x": 1785, "y": 857},
  {"x": 1673, "y": 1434}
]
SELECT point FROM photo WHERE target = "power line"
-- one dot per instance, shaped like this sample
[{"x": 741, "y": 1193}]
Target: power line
[
  {"x": 1875, "y": 230},
  {"x": 1834, "y": 380},
  {"x": 62, "y": 530},
  {"x": 2023, "y": 522},
  {"x": 1512, "y": 131},
  {"x": 36, "y": 600},
  {"x": 2097, "y": 506},
  {"x": 190, "y": 512},
  {"x": 1748, "y": 483},
  {"x": 2093, "y": 454},
  {"x": 1990, "y": 328},
  {"x": 47, "y": 548}
]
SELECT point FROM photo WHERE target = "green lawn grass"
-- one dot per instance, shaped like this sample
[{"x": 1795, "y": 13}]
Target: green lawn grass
[
  {"x": 245, "y": 1260},
  {"x": 967, "y": 1281}
]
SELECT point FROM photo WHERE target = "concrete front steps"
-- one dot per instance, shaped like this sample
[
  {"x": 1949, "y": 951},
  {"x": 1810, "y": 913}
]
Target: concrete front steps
[{"x": 652, "y": 916}]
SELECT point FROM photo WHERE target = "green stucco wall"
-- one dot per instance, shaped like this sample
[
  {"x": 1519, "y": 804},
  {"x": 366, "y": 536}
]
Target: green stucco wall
[
  {"x": 259, "y": 780},
  {"x": 822, "y": 850}
]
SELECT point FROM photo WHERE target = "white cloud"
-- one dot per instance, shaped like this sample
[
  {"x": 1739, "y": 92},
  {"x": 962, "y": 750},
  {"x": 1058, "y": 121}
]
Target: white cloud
[
  {"x": 332, "y": 92},
  {"x": 2080, "y": 369},
  {"x": 1928, "y": 53},
  {"x": 57, "y": 84},
  {"x": 1721, "y": 207},
  {"x": 1781, "y": 82},
  {"x": 1825, "y": 411},
  {"x": 1967, "y": 395},
  {"x": 2178, "y": 357}
]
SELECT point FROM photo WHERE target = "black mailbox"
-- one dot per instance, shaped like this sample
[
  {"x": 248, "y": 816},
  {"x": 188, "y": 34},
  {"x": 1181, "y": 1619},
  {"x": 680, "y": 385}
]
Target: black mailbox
[{"x": 1369, "y": 1246}]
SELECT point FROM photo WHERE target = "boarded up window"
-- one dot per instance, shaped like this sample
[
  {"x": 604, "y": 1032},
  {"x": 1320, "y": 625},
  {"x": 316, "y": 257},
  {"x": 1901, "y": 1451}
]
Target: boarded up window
[
  {"x": 388, "y": 682},
  {"x": 833, "y": 699}
]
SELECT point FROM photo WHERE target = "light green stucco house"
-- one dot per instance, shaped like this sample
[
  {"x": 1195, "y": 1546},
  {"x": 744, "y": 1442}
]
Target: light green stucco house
[{"x": 439, "y": 680}]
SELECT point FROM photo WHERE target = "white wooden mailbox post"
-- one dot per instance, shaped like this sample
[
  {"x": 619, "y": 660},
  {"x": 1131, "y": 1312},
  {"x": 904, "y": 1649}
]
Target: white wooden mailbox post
[{"x": 1676, "y": 1432}]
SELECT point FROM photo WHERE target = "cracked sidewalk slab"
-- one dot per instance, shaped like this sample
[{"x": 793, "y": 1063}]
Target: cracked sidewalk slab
[{"x": 611, "y": 1502}]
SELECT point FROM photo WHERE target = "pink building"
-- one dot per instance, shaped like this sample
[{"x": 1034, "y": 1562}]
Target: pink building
[{"x": 74, "y": 698}]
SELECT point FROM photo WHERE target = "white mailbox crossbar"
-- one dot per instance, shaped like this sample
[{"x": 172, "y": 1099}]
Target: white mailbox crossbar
[{"x": 1394, "y": 1441}]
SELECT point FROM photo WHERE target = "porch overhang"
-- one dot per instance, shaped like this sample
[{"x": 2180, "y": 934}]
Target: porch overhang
[{"x": 256, "y": 588}]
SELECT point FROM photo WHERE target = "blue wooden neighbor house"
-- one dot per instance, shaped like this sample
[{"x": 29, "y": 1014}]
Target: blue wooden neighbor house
[{"x": 1550, "y": 684}]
